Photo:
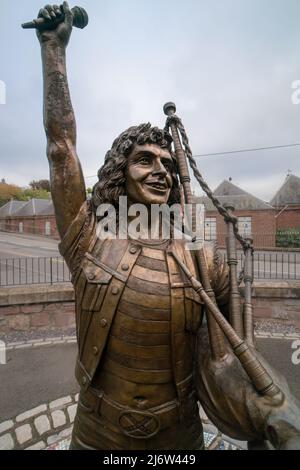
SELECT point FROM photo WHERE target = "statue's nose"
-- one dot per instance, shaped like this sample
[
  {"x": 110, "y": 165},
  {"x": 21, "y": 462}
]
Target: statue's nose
[{"x": 159, "y": 168}]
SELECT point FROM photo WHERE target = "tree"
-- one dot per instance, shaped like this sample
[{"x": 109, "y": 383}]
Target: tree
[
  {"x": 40, "y": 184},
  {"x": 8, "y": 192},
  {"x": 28, "y": 193}
]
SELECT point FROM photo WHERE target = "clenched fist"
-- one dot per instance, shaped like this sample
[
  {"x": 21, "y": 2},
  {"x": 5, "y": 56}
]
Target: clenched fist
[{"x": 59, "y": 33}]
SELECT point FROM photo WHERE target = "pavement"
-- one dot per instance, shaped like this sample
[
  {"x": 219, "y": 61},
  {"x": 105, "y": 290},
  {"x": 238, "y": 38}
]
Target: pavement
[{"x": 37, "y": 373}]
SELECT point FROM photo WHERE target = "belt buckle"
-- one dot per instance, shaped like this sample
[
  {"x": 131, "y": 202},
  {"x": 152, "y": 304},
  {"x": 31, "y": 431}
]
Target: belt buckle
[{"x": 139, "y": 424}]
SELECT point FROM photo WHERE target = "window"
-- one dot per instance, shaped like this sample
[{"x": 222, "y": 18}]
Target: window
[
  {"x": 21, "y": 227},
  {"x": 244, "y": 226},
  {"x": 210, "y": 232},
  {"x": 47, "y": 229}
]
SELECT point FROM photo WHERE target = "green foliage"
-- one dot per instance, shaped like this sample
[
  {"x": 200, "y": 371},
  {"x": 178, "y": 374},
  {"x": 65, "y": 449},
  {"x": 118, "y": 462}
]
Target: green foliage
[
  {"x": 40, "y": 184},
  {"x": 27, "y": 194},
  {"x": 8, "y": 192},
  {"x": 289, "y": 238},
  {"x": 11, "y": 191}
]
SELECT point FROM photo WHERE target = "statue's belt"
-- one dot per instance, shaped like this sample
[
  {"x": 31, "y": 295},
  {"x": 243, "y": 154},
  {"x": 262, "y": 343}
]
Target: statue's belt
[{"x": 133, "y": 422}]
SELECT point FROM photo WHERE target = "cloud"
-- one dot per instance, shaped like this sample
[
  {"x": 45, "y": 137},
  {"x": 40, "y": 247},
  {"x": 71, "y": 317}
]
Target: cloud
[{"x": 228, "y": 66}]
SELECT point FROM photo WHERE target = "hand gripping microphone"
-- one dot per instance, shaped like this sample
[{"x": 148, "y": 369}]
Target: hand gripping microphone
[{"x": 80, "y": 20}]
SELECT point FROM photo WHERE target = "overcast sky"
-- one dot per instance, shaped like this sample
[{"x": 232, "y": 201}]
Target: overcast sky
[{"x": 227, "y": 64}]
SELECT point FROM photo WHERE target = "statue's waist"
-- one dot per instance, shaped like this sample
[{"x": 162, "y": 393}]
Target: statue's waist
[{"x": 133, "y": 421}]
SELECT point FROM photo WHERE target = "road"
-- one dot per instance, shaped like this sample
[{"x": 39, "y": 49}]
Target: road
[
  {"x": 21, "y": 246},
  {"x": 29, "y": 259},
  {"x": 37, "y": 375}
]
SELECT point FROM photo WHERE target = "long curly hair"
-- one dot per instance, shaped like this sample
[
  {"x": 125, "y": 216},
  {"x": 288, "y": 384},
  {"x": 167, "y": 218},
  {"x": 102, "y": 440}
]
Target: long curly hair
[{"x": 112, "y": 175}]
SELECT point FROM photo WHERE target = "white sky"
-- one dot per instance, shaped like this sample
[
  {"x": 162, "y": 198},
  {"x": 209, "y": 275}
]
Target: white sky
[{"x": 228, "y": 65}]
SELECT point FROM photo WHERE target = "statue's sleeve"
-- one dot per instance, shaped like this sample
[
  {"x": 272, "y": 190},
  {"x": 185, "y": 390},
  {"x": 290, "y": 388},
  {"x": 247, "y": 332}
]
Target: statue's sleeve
[
  {"x": 218, "y": 272},
  {"x": 78, "y": 237}
]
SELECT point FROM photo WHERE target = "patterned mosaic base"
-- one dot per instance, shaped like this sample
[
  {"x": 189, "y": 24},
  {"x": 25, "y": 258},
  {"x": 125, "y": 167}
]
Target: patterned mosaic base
[{"x": 212, "y": 442}]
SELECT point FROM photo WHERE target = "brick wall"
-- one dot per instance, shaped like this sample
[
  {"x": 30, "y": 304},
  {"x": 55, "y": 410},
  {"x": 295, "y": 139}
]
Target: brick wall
[
  {"x": 288, "y": 218},
  {"x": 263, "y": 227},
  {"x": 31, "y": 225}
]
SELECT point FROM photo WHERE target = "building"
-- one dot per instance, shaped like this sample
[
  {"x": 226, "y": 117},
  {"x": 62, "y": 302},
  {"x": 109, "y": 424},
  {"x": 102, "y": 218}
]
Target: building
[
  {"x": 256, "y": 218},
  {"x": 31, "y": 217},
  {"x": 270, "y": 224},
  {"x": 287, "y": 204}
]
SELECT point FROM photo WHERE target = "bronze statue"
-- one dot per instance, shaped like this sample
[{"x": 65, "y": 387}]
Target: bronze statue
[{"x": 146, "y": 356}]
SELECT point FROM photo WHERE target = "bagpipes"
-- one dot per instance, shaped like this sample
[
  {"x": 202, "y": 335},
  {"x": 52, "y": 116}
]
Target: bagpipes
[{"x": 239, "y": 330}]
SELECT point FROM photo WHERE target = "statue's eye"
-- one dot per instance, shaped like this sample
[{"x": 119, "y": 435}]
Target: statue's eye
[{"x": 144, "y": 160}]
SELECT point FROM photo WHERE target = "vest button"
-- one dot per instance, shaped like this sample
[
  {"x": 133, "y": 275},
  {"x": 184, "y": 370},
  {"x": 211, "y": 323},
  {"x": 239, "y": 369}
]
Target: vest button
[
  {"x": 125, "y": 267},
  {"x": 84, "y": 381},
  {"x": 115, "y": 290},
  {"x": 133, "y": 250},
  {"x": 91, "y": 276},
  {"x": 95, "y": 350},
  {"x": 103, "y": 322}
]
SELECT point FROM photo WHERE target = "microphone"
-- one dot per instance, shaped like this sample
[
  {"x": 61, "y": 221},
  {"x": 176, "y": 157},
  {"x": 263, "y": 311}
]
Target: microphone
[{"x": 80, "y": 20}]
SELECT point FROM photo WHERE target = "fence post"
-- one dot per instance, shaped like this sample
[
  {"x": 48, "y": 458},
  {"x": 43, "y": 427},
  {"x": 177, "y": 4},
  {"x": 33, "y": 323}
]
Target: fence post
[
  {"x": 51, "y": 273},
  {"x": 2, "y": 353}
]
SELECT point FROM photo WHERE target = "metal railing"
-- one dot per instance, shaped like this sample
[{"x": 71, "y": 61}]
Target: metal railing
[
  {"x": 268, "y": 265},
  {"x": 24, "y": 271},
  {"x": 277, "y": 265}
]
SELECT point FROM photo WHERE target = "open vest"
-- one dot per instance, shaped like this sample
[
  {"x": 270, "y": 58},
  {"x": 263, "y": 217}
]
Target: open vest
[{"x": 99, "y": 285}]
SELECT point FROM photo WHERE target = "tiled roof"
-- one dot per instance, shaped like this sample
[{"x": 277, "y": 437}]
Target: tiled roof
[
  {"x": 289, "y": 193},
  {"x": 11, "y": 207},
  {"x": 48, "y": 210},
  {"x": 32, "y": 208},
  {"x": 229, "y": 193}
]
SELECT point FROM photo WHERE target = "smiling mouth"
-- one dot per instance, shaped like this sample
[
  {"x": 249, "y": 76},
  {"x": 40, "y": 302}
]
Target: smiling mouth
[{"x": 157, "y": 185}]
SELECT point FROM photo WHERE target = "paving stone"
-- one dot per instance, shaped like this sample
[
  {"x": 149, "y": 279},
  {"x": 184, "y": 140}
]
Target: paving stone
[
  {"x": 60, "y": 402},
  {"x": 66, "y": 432},
  {"x": 6, "y": 442},
  {"x": 17, "y": 343},
  {"x": 53, "y": 439},
  {"x": 6, "y": 425},
  {"x": 38, "y": 446},
  {"x": 72, "y": 412},
  {"x": 292, "y": 335},
  {"x": 59, "y": 418},
  {"x": 23, "y": 346},
  {"x": 24, "y": 433},
  {"x": 33, "y": 412},
  {"x": 42, "y": 424}
]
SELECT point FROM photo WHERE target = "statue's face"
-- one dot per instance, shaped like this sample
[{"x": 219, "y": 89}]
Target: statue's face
[{"x": 149, "y": 175}]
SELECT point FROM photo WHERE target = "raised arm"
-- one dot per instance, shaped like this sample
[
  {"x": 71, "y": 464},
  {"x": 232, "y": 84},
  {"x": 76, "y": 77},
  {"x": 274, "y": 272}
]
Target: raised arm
[{"x": 67, "y": 182}]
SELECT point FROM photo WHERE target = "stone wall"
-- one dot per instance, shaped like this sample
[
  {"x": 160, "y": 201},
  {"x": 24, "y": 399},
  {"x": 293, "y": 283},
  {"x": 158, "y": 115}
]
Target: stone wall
[
  {"x": 278, "y": 301},
  {"x": 36, "y": 307},
  {"x": 45, "y": 306}
]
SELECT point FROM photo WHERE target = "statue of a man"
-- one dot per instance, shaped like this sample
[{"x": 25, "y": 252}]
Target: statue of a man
[{"x": 137, "y": 316}]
